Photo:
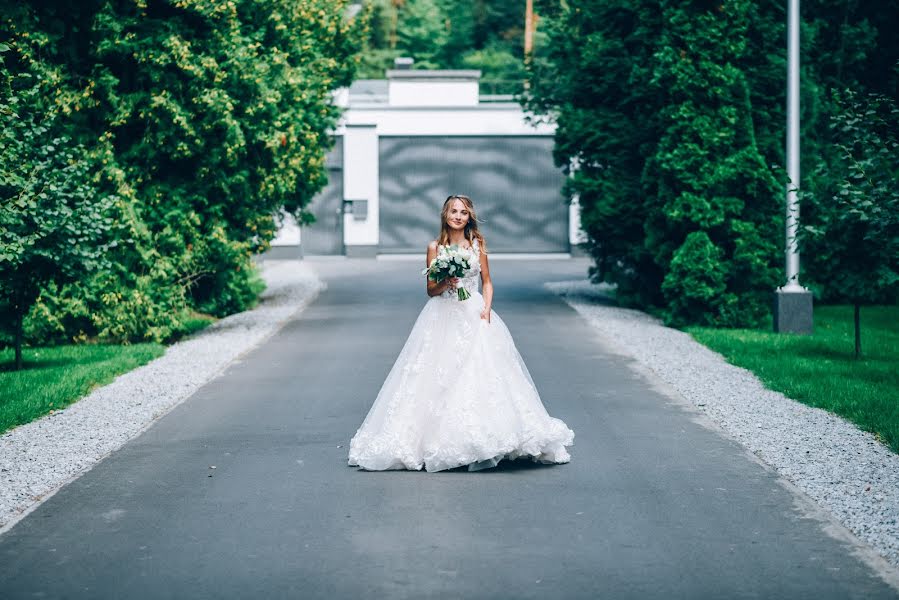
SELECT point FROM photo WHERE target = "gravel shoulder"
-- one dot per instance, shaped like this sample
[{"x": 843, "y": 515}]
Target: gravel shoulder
[
  {"x": 40, "y": 457},
  {"x": 842, "y": 468}
]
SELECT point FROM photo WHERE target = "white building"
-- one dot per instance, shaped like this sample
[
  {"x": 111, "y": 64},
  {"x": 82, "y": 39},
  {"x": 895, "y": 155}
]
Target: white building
[{"x": 404, "y": 144}]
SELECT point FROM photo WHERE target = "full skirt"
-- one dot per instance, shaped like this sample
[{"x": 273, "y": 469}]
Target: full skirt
[{"x": 459, "y": 394}]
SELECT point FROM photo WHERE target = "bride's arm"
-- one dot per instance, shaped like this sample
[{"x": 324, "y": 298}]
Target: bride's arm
[
  {"x": 486, "y": 287},
  {"x": 435, "y": 288}
]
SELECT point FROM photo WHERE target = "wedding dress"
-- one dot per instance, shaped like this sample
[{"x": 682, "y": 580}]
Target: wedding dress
[{"x": 458, "y": 394}]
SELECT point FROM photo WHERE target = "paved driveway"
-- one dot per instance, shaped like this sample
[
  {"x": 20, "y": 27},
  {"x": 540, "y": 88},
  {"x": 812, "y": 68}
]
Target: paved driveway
[{"x": 653, "y": 505}]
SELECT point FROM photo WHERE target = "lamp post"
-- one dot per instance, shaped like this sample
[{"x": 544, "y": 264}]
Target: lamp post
[{"x": 792, "y": 302}]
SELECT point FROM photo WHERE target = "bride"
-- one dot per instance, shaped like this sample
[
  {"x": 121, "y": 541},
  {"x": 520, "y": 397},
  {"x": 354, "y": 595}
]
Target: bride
[{"x": 459, "y": 393}]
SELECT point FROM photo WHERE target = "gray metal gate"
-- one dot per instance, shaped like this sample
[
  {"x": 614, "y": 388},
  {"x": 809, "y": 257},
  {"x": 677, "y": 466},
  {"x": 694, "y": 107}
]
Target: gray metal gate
[
  {"x": 325, "y": 236},
  {"x": 515, "y": 187}
]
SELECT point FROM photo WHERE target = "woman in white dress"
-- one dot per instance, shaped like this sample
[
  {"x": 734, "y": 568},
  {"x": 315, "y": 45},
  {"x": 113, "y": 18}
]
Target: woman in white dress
[{"x": 459, "y": 393}]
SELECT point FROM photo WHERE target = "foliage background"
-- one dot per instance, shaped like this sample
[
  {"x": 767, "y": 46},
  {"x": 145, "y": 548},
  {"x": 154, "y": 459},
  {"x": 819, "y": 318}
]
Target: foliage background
[
  {"x": 449, "y": 34},
  {"x": 179, "y": 128},
  {"x": 671, "y": 123},
  {"x": 202, "y": 118}
]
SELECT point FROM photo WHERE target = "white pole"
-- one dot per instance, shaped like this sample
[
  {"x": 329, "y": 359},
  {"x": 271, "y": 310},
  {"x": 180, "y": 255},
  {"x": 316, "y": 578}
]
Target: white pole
[{"x": 792, "y": 251}]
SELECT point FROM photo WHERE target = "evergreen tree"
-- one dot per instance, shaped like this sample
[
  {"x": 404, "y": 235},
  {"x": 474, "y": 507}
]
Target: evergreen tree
[
  {"x": 655, "y": 109},
  {"x": 707, "y": 173},
  {"x": 593, "y": 79}
]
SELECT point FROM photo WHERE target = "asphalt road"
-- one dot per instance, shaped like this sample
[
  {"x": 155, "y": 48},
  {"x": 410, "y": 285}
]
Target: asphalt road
[{"x": 653, "y": 504}]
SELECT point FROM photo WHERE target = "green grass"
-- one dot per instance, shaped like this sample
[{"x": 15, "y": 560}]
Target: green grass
[
  {"x": 820, "y": 369},
  {"x": 192, "y": 322},
  {"x": 55, "y": 377}
]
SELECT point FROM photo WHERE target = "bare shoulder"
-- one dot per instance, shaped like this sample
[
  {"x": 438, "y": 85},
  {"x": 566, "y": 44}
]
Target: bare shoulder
[{"x": 432, "y": 245}]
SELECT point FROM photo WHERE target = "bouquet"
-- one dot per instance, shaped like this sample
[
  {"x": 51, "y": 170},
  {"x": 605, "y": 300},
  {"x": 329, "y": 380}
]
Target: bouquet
[{"x": 451, "y": 261}]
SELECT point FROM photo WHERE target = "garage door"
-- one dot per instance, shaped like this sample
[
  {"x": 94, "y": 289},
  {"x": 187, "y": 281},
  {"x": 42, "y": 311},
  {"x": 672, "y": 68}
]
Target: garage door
[{"x": 512, "y": 181}]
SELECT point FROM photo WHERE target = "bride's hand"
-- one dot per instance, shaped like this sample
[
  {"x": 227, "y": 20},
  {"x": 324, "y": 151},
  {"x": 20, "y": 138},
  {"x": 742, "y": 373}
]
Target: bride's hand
[
  {"x": 452, "y": 282},
  {"x": 485, "y": 314}
]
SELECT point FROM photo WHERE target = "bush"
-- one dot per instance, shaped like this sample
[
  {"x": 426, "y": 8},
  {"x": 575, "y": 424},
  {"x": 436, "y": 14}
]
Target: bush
[{"x": 696, "y": 281}]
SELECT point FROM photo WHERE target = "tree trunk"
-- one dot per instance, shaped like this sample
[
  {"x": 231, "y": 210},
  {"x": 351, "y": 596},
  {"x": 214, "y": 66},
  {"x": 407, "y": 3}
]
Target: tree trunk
[
  {"x": 528, "y": 29},
  {"x": 858, "y": 332},
  {"x": 19, "y": 335},
  {"x": 394, "y": 22}
]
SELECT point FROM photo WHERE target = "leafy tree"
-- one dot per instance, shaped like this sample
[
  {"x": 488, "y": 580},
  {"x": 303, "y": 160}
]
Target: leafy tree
[
  {"x": 852, "y": 226},
  {"x": 56, "y": 215},
  {"x": 501, "y": 71},
  {"x": 379, "y": 43},
  {"x": 852, "y": 44},
  {"x": 220, "y": 115},
  {"x": 422, "y": 32}
]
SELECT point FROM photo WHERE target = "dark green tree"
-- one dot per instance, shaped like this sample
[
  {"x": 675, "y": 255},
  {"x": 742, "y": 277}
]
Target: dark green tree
[
  {"x": 707, "y": 173},
  {"x": 852, "y": 228},
  {"x": 592, "y": 78},
  {"x": 654, "y": 108}
]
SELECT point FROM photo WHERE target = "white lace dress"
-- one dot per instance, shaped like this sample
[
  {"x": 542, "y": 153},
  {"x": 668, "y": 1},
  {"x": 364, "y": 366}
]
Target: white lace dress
[{"x": 459, "y": 394}]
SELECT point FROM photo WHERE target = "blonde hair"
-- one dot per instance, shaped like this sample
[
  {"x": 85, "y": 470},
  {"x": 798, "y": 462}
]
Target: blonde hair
[{"x": 471, "y": 228}]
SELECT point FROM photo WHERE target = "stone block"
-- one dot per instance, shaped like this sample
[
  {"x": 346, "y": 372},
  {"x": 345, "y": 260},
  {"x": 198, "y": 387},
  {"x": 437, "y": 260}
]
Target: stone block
[{"x": 793, "y": 312}]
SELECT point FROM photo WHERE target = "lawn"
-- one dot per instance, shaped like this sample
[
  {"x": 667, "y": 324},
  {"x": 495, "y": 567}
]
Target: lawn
[
  {"x": 54, "y": 377},
  {"x": 820, "y": 369}
]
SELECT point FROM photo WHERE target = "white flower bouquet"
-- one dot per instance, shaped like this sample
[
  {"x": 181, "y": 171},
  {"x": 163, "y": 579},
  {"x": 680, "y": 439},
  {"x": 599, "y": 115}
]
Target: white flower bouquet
[{"x": 451, "y": 261}]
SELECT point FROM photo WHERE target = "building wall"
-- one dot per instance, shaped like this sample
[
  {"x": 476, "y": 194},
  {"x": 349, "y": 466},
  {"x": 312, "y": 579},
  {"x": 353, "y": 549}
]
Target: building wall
[
  {"x": 501, "y": 121},
  {"x": 511, "y": 179},
  {"x": 429, "y": 104}
]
